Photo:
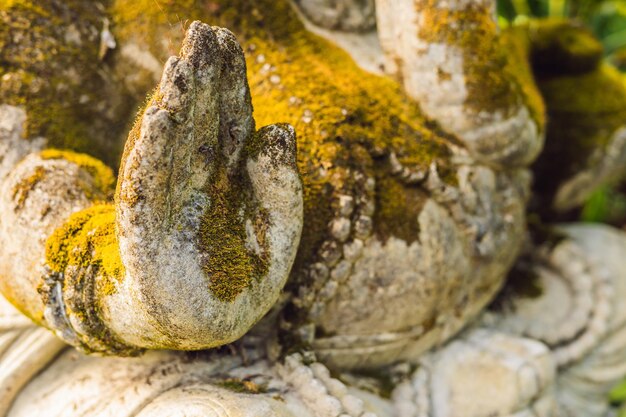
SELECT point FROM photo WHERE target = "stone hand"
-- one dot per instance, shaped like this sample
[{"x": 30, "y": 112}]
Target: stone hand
[{"x": 206, "y": 223}]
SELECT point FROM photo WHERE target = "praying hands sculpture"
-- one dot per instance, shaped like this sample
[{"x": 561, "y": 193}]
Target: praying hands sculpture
[{"x": 335, "y": 252}]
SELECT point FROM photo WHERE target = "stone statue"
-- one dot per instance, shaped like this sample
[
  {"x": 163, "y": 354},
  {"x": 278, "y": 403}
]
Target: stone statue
[{"x": 335, "y": 252}]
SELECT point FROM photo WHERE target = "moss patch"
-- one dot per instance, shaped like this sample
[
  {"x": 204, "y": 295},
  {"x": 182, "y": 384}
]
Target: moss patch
[
  {"x": 517, "y": 43},
  {"x": 584, "y": 111},
  {"x": 563, "y": 46},
  {"x": 585, "y": 99},
  {"x": 345, "y": 118},
  {"x": 398, "y": 208},
  {"x": 241, "y": 386},
  {"x": 83, "y": 254},
  {"x": 87, "y": 239},
  {"x": 50, "y": 65},
  {"x": 231, "y": 266},
  {"x": 495, "y": 81}
]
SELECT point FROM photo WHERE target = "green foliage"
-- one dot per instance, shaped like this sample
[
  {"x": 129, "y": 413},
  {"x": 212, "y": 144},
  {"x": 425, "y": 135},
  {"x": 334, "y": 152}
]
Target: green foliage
[
  {"x": 618, "y": 396},
  {"x": 606, "y": 205},
  {"x": 618, "y": 393}
]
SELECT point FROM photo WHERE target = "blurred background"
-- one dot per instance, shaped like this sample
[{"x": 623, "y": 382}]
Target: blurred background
[{"x": 607, "y": 20}]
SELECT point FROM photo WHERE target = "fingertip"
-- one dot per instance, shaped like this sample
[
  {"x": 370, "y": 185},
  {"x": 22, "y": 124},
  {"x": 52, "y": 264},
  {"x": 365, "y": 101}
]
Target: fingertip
[
  {"x": 278, "y": 142},
  {"x": 200, "y": 46},
  {"x": 155, "y": 122},
  {"x": 175, "y": 87},
  {"x": 151, "y": 148},
  {"x": 230, "y": 46}
]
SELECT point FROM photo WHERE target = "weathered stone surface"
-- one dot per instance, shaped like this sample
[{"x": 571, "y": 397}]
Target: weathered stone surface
[
  {"x": 480, "y": 374},
  {"x": 579, "y": 314},
  {"x": 348, "y": 15},
  {"x": 409, "y": 228},
  {"x": 450, "y": 57},
  {"x": 219, "y": 204}
]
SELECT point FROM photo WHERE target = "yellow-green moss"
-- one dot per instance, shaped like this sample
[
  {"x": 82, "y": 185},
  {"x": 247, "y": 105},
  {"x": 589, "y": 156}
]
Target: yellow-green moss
[
  {"x": 88, "y": 238},
  {"x": 84, "y": 255},
  {"x": 585, "y": 100},
  {"x": 494, "y": 80},
  {"x": 49, "y": 65},
  {"x": 398, "y": 208},
  {"x": 231, "y": 267},
  {"x": 155, "y": 14},
  {"x": 103, "y": 177},
  {"x": 24, "y": 187},
  {"x": 131, "y": 197},
  {"x": 584, "y": 111},
  {"x": 26, "y": 4},
  {"x": 516, "y": 42},
  {"x": 563, "y": 46},
  {"x": 599, "y": 93},
  {"x": 335, "y": 107},
  {"x": 242, "y": 386}
]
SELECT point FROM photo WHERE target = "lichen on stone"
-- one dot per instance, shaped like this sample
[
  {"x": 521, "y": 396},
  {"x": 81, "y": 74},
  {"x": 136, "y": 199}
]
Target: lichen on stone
[
  {"x": 231, "y": 265},
  {"x": 50, "y": 66},
  {"x": 494, "y": 80},
  {"x": 86, "y": 239},
  {"x": 26, "y": 185},
  {"x": 102, "y": 175}
]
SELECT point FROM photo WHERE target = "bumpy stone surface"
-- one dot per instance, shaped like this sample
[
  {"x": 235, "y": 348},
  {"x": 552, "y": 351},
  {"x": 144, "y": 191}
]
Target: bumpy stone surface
[
  {"x": 25, "y": 349},
  {"x": 573, "y": 308},
  {"x": 579, "y": 314},
  {"x": 415, "y": 309},
  {"x": 452, "y": 381},
  {"x": 168, "y": 384}
]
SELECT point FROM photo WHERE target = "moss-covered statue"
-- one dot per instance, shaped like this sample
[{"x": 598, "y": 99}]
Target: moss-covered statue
[{"x": 336, "y": 251}]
